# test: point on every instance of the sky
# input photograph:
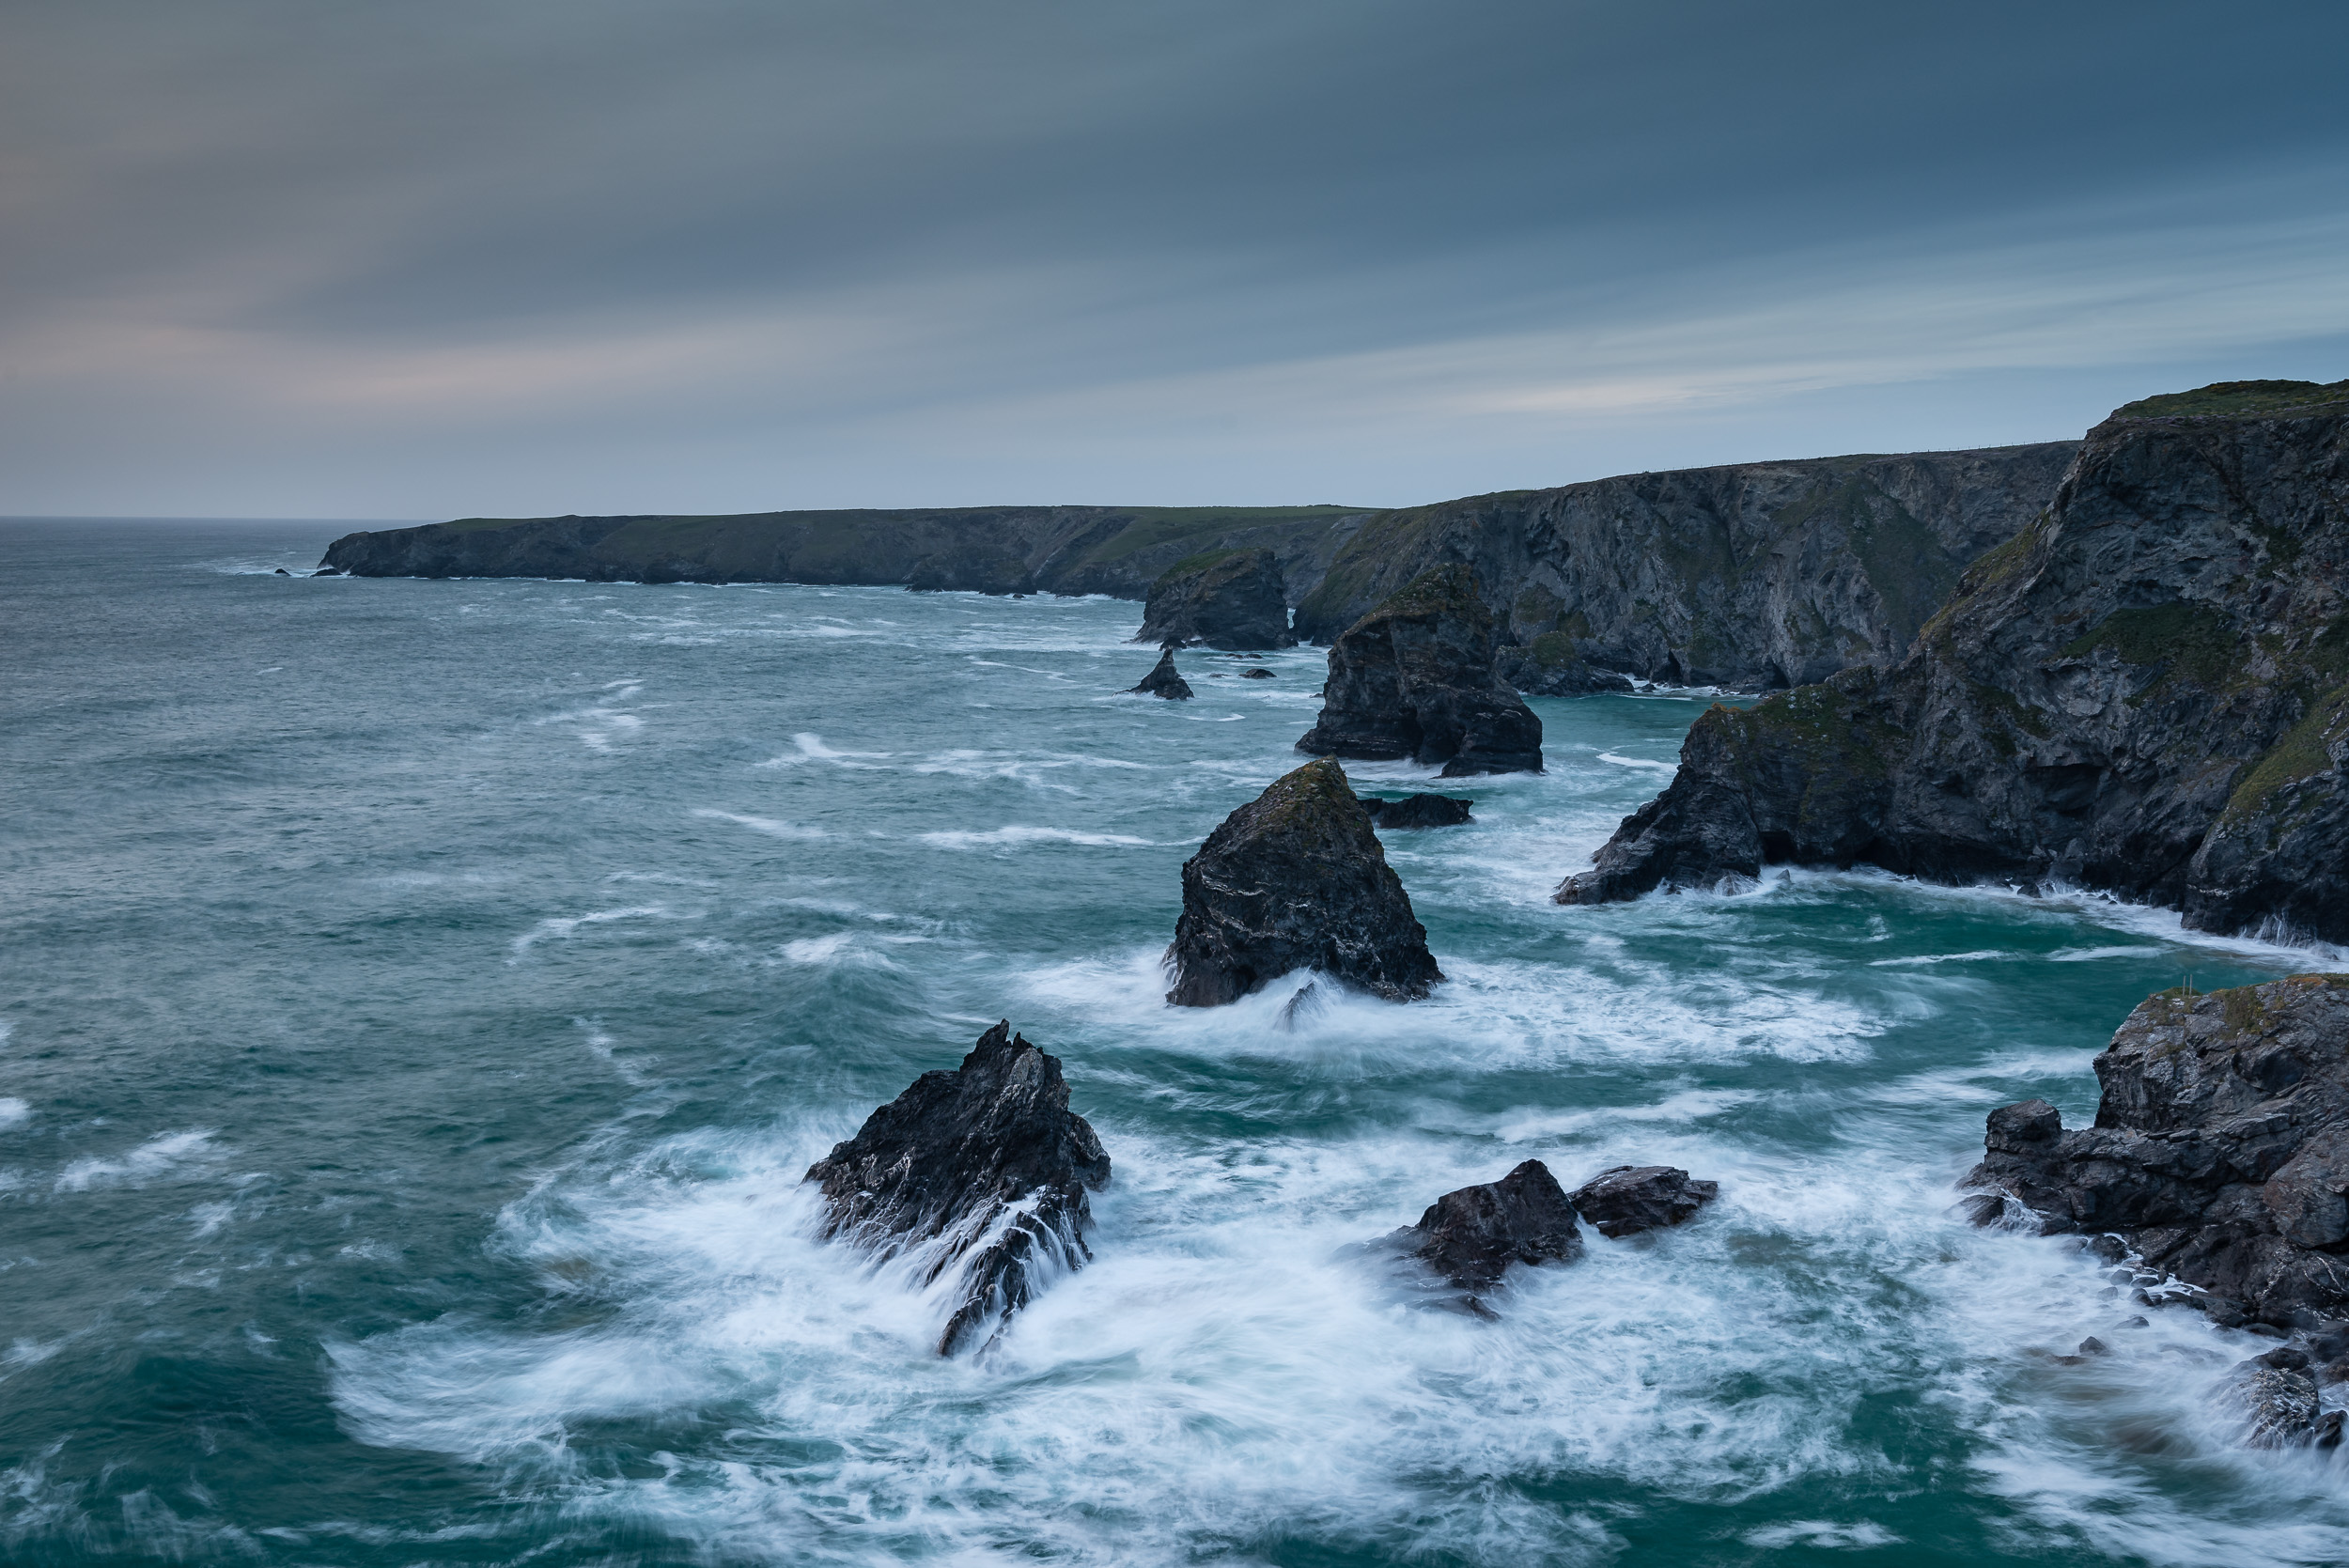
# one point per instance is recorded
(422, 259)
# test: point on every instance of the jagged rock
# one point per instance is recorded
(2277, 1402)
(2220, 1151)
(1471, 1236)
(1296, 879)
(1259, 672)
(2146, 690)
(1629, 1199)
(1417, 810)
(1415, 679)
(1165, 681)
(982, 1170)
(1224, 599)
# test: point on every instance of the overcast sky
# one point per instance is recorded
(384, 259)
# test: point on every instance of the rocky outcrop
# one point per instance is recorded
(2219, 1153)
(2275, 1399)
(1470, 1237)
(1222, 598)
(1415, 679)
(1549, 667)
(982, 1171)
(1628, 1199)
(1165, 681)
(1417, 810)
(2145, 690)
(1119, 551)
(1296, 879)
(1751, 576)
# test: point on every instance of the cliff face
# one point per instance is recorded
(1119, 551)
(1224, 599)
(1755, 575)
(2147, 690)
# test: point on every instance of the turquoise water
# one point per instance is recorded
(422, 998)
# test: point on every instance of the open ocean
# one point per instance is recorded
(422, 998)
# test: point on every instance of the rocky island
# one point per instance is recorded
(2146, 690)
(1232, 600)
(1417, 678)
(1296, 879)
(982, 1171)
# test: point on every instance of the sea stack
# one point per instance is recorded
(1232, 600)
(1416, 678)
(1165, 681)
(1296, 879)
(982, 1171)
(2219, 1154)
(1628, 1199)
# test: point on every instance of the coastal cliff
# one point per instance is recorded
(1117, 551)
(1755, 576)
(2145, 690)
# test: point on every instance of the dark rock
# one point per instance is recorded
(1259, 672)
(283, 572)
(1753, 576)
(1165, 681)
(1471, 1236)
(1224, 599)
(327, 571)
(1296, 879)
(1418, 811)
(1415, 679)
(2278, 1407)
(982, 1170)
(1550, 667)
(2145, 690)
(1629, 1199)
(2094, 1346)
(2220, 1150)
(2334, 1371)
(2289, 1358)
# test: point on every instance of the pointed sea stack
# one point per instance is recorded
(1232, 599)
(1471, 1236)
(1165, 681)
(1296, 879)
(1416, 678)
(983, 1169)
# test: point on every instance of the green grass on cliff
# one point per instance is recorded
(2183, 638)
(2236, 399)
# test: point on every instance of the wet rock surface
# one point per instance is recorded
(1629, 1199)
(1165, 681)
(1416, 678)
(982, 1171)
(1232, 599)
(1470, 1238)
(2146, 690)
(1418, 811)
(1296, 879)
(2277, 1402)
(2219, 1153)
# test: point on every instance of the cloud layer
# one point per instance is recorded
(278, 257)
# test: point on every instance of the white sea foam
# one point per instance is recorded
(1642, 763)
(772, 827)
(165, 1156)
(13, 1112)
(808, 747)
(564, 925)
(998, 838)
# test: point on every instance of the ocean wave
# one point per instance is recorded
(1016, 834)
(772, 827)
(165, 1155)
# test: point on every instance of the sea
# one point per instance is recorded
(420, 1000)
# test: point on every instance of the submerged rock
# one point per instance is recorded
(1471, 1236)
(1296, 879)
(2146, 690)
(2277, 1402)
(1259, 672)
(1416, 678)
(1225, 599)
(982, 1170)
(1629, 1199)
(2220, 1151)
(1418, 811)
(1165, 681)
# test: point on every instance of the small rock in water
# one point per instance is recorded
(2093, 1346)
(1296, 879)
(1259, 672)
(1418, 811)
(2278, 1407)
(283, 572)
(1471, 1236)
(1165, 681)
(983, 1168)
(1629, 1199)
(1303, 1007)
